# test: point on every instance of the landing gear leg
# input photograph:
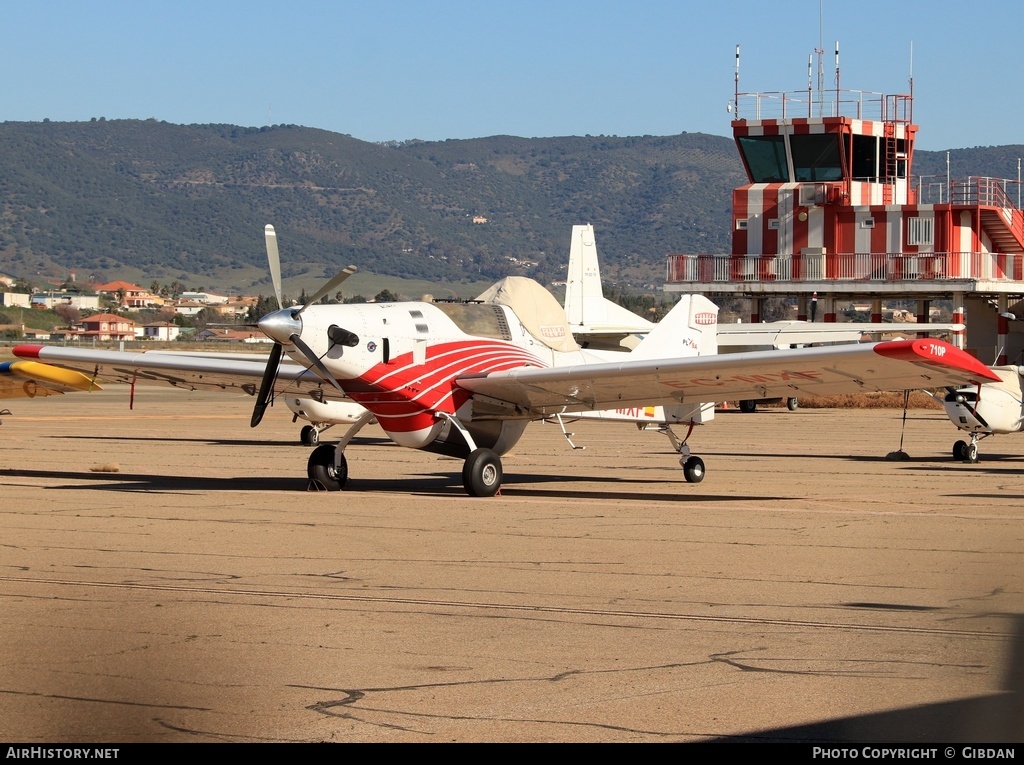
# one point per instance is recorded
(693, 466)
(327, 468)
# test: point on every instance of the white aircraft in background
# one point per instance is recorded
(986, 410)
(597, 322)
(465, 379)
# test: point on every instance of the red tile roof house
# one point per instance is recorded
(134, 296)
(103, 327)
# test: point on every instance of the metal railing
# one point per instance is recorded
(854, 266)
(973, 190)
(858, 104)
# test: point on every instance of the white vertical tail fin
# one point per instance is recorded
(586, 308)
(583, 280)
(689, 329)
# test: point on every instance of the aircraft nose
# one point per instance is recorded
(279, 326)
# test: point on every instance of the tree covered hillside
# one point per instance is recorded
(190, 202)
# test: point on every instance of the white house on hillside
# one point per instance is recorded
(159, 330)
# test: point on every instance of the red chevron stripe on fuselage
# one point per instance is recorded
(404, 395)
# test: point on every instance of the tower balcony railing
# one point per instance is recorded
(857, 104)
(854, 266)
(970, 191)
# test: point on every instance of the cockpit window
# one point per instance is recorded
(481, 319)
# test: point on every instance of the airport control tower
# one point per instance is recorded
(832, 211)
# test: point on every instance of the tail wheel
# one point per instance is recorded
(792, 404)
(321, 468)
(481, 475)
(693, 470)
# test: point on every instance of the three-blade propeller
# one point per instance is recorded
(285, 326)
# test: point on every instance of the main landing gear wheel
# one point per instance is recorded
(322, 470)
(748, 406)
(693, 470)
(309, 436)
(481, 475)
(960, 451)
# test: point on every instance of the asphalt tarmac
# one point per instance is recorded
(166, 577)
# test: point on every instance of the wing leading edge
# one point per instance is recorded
(886, 366)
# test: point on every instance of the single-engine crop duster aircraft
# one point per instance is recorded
(465, 379)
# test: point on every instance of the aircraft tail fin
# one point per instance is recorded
(689, 329)
(586, 307)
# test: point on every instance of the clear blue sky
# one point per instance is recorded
(397, 69)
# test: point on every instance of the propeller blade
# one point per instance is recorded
(327, 288)
(274, 260)
(322, 370)
(267, 385)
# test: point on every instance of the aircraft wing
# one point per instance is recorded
(32, 379)
(214, 372)
(782, 334)
(887, 366)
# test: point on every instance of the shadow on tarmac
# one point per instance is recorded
(990, 720)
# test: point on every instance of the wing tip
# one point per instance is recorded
(938, 353)
(27, 351)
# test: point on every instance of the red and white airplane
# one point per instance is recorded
(465, 379)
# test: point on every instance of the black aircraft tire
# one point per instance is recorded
(309, 436)
(482, 474)
(321, 469)
(748, 406)
(693, 470)
(960, 451)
